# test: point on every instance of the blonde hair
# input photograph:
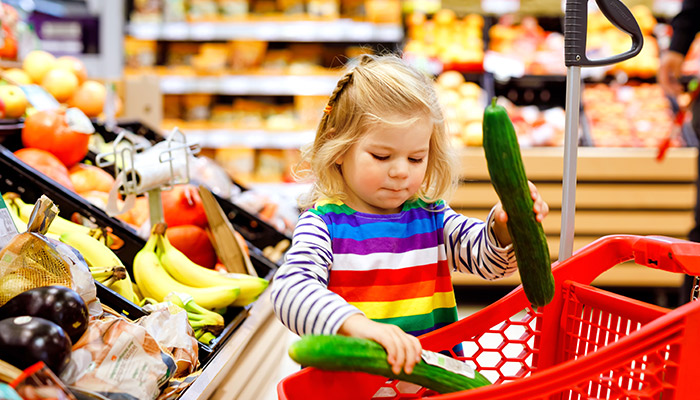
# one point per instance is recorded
(372, 87)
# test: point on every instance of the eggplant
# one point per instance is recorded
(26, 340)
(56, 303)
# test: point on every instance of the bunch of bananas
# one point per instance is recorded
(101, 260)
(160, 269)
(108, 275)
(21, 211)
(207, 325)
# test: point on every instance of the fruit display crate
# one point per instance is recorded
(255, 230)
(18, 177)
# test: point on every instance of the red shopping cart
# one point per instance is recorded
(587, 343)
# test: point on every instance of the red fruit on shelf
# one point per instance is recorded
(194, 242)
(183, 206)
(47, 164)
(48, 130)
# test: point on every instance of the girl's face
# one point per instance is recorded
(386, 166)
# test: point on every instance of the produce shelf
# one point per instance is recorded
(341, 30)
(250, 85)
(18, 177)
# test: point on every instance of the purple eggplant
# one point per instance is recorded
(27, 340)
(58, 304)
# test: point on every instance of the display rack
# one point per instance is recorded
(340, 30)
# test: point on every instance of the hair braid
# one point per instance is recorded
(332, 99)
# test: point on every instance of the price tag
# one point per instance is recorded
(500, 6)
(236, 85)
(208, 84)
(669, 8)
(175, 31)
(203, 31)
(174, 85)
(447, 363)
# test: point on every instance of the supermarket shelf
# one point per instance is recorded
(342, 30)
(256, 139)
(242, 85)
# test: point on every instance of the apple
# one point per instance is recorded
(17, 76)
(61, 83)
(73, 64)
(89, 98)
(14, 99)
(37, 64)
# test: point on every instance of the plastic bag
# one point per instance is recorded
(30, 260)
(38, 382)
(169, 326)
(118, 359)
(83, 283)
(203, 170)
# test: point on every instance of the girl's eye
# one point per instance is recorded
(380, 158)
(416, 160)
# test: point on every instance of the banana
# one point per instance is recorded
(184, 270)
(196, 314)
(206, 337)
(98, 255)
(104, 274)
(156, 283)
(59, 225)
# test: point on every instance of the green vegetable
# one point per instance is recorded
(508, 178)
(343, 353)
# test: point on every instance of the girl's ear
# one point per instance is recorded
(340, 159)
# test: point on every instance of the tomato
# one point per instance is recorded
(48, 130)
(47, 164)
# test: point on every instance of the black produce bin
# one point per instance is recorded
(18, 177)
(256, 231)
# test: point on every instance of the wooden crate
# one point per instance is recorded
(618, 191)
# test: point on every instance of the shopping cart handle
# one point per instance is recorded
(576, 24)
(668, 254)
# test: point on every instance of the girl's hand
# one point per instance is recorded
(403, 350)
(539, 207)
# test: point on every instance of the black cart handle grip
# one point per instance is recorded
(576, 23)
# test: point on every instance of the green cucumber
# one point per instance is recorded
(343, 353)
(508, 178)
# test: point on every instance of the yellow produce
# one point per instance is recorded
(184, 270)
(155, 282)
(96, 254)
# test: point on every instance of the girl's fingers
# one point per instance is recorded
(413, 350)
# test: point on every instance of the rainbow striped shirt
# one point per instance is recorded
(392, 268)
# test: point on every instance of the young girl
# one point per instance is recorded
(372, 255)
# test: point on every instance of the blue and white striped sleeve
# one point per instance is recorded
(472, 247)
(299, 293)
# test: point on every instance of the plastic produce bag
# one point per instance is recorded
(203, 170)
(169, 326)
(30, 260)
(38, 382)
(119, 360)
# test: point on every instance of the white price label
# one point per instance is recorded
(500, 6)
(447, 363)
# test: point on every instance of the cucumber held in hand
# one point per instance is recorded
(343, 353)
(508, 178)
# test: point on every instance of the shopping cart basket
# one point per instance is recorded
(587, 343)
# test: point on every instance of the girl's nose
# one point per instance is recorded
(398, 169)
